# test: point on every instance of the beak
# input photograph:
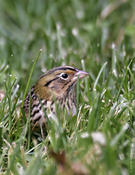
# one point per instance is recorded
(81, 74)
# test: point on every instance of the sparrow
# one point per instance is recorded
(57, 86)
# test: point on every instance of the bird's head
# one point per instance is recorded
(58, 81)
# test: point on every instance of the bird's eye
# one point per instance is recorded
(64, 76)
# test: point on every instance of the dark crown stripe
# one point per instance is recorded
(65, 68)
(59, 68)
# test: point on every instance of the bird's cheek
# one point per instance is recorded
(56, 90)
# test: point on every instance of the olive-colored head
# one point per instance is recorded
(57, 82)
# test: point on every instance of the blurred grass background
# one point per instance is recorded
(94, 35)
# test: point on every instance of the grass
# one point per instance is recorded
(96, 36)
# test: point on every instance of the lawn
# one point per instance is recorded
(97, 36)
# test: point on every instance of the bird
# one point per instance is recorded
(57, 86)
